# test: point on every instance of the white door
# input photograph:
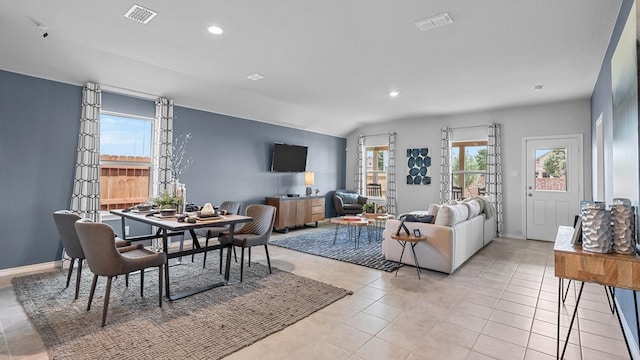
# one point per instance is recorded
(553, 184)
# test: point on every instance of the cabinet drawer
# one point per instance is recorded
(317, 202)
(317, 209)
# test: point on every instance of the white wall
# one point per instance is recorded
(569, 117)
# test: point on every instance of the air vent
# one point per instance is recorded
(140, 14)
(434, 22)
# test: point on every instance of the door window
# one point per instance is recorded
(551, 169)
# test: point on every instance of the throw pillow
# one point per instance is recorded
(433, 209)
(445, 216)
(473, 206)
(427, 219)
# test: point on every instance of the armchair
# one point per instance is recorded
(348, 202)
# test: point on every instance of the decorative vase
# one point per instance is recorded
(596, 228)
(179, 190)
(623, 226)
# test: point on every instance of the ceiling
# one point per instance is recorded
(328, 65)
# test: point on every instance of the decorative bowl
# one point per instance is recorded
(167, 212)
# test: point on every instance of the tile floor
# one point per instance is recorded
(500, 305)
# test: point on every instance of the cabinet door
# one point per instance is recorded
(303, 211)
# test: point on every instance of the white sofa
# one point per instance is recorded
(450, 242)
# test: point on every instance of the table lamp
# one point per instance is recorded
(308, 181)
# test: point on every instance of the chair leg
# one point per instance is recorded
(73, 260)
(93, 290)
(107, 293)
(126, 279)
(221, 260)
(206, 243)
(234, 253)
(241, 263)
(141, 282)
(266, 250)
(249, 263)
(160, 284)
(78, 278)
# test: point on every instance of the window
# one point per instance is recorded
(377, 158)
(551, 169)
(468, 169)
(125, 160)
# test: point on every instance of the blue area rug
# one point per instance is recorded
(320, 243)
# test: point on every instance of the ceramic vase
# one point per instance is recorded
(623, 226)
(596, 229)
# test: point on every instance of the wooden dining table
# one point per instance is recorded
(170, 226)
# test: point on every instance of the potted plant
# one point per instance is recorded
(167, 203)
(369, 208)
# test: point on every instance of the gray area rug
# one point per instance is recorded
(209, 325)
(320, 243)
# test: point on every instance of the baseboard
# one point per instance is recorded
(29, 268)
(633, 345)
(512, 236)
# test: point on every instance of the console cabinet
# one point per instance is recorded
(296, 211)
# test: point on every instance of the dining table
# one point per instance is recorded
(168, 226)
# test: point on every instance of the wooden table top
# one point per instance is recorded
(617, 270)
(349, 221)
(409, 238)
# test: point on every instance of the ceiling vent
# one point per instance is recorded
(140, 14)
(434, 22)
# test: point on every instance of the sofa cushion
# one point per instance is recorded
(348, 198)
(433, 209)
(449, 215)
(473, 206)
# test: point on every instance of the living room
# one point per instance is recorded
(232, 155)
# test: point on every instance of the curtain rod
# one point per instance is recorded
(127, 92)
(387, 134)
(470, 126)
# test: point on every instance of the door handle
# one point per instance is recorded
(530, 194)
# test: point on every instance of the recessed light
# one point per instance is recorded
(215, 30)
(394, 93)
(538, 87)
(255, 77)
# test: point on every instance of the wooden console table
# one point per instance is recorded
(296, 211)
(614, 270)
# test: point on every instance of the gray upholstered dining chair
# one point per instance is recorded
(257, 232)
(232, 208)
(105, 260)
(65, 221)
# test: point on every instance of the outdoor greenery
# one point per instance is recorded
(555, 165)
(477, 162)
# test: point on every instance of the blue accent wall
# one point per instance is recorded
(601, 103)
(38, 137)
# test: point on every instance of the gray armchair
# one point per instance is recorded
(257, 232)
(232, 208)
(348, 202)
(65, 221)
(105, 260)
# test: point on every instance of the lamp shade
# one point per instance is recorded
(309, 178)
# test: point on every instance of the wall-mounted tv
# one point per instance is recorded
(289, 158)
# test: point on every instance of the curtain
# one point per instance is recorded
(445, 166)
(85, 199)
(359, 178)
(391, 175)
(494, 173)
(162, 146)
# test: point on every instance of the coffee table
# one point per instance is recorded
(413, 240)
(354, 226)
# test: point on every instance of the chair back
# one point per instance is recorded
(99, 248)
(374, 190)
(232, 207)
(65, 221)
(264, 216)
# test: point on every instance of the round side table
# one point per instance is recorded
(413, 240)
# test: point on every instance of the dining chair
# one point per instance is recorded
(257, 232)
(105, 260)
(232, 208)
(65, 221)
(374, 190)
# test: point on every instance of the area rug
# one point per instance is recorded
(209, 325)
(320, 243)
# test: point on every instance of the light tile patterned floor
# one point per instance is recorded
(500, 305)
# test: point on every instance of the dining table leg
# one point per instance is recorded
(165, 248)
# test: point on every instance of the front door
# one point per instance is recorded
(553, 184)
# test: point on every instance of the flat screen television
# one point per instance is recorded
(289, 158)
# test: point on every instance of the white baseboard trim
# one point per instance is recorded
(633, 345)
(30, 268)
(511, 236)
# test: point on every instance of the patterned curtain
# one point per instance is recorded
(445, 166)
(359, 178)
(85, 199)
(494, 173)
(162, 145)
(391, 175)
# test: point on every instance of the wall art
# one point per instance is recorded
(418, 162)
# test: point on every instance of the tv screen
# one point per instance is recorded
(289, 158)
